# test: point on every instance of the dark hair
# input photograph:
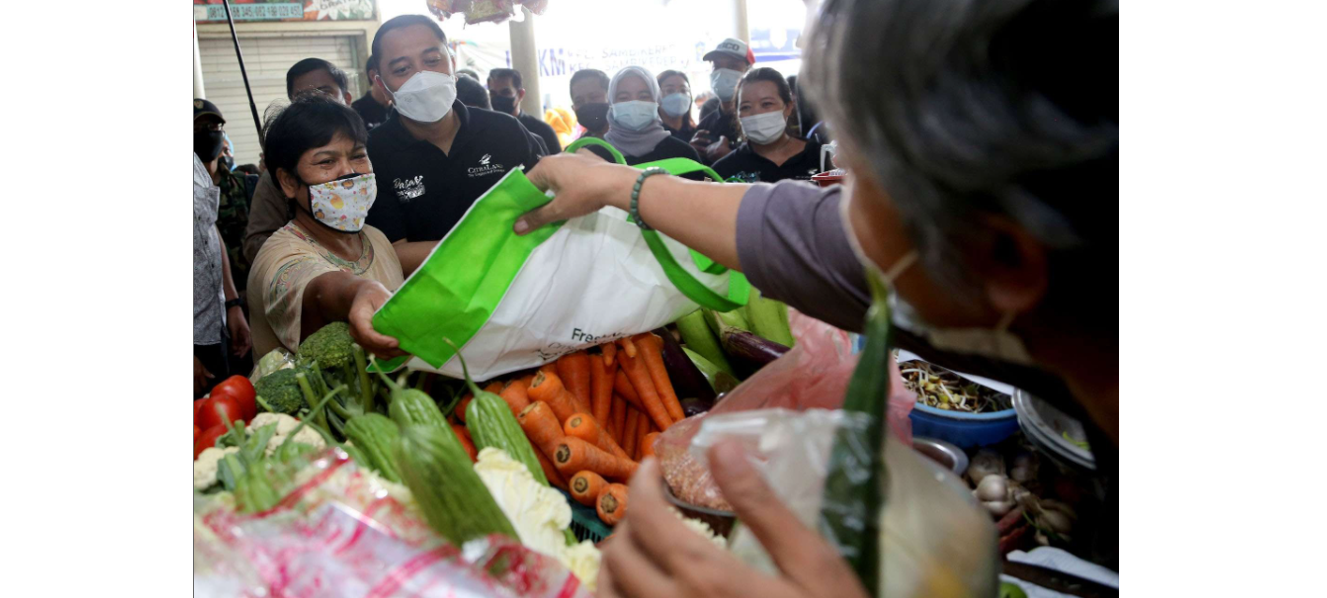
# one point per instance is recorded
(308, 65)
(472, 93)
(512, 74)
(311, 120)
(961, 111)
(686, 118)
(371, 64)
(405, 21)
(765, 73)
(599, 75)
(248, 169)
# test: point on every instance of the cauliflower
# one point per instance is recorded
(285, 424)
(205, 468)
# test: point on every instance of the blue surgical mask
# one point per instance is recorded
(676, 104)
(724, 83)
(634, 115)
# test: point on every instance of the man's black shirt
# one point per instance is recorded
(422, 192)
(747, 166)
(543, 130)
(370, 110)
(685, 133)
(718, 123)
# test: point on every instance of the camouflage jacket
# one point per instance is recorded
(232, 218)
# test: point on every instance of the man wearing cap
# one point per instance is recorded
(717, 133)
(219, 322)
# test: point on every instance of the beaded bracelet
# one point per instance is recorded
(635, 195)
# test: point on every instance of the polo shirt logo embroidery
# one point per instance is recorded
(485, 168)
(408, 189)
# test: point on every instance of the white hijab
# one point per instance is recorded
(636, 143)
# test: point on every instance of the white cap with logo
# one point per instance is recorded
(732, 47)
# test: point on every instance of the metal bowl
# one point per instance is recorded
(944, 453)
(1046, 427)
(719, 521)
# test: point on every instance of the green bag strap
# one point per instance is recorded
(584, 141)
(738, 287)
(739, 290)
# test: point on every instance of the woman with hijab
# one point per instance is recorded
(634, 127)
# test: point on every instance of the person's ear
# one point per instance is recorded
(520, 95)
(348, 98)
(1013, 266)
(788, 110)
(289, 184)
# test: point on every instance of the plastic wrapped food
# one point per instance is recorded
(343, 531)
(813, 375)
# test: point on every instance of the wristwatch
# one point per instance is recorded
(232, 303)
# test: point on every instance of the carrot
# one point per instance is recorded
(585, 487)
(459, 411)
(574, 454)
(464, 436)
(601, 389)
(541, 427)
(628, 346)
(494, 387)
(547, 387)
(647, 445)
(640, 378)
(642, 430)
(629, 431)
(618, 415)
(549, 368)
(515, 394)
(623, 387)
(550, 472)
(585, 427)
(651, 350)
(610, 349)
(574, 370)
(612, 504)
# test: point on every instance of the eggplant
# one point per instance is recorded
(748, 352)
(693, 406)
(688, 380)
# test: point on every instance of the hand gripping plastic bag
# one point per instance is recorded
(514, 302)
(813, 375)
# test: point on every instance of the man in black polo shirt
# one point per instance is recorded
(433, 157)
(717, 133)
(504, 87)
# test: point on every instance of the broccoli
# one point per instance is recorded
(339, 360)
(280, 392)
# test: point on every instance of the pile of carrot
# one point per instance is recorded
(593, 415)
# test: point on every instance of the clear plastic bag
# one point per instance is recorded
(813, 375)
(342, 531)
(276, 359)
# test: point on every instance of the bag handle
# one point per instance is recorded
(739, 289)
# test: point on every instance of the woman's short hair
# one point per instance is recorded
(310, 121)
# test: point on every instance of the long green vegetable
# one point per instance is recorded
(855, 481)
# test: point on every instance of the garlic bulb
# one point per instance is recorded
(993, 488)
(999, 508)
(984, 463)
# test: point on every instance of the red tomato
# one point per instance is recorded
(197, 431)
(239, 388)
(217, 411)
(197, 405)
(208, 439)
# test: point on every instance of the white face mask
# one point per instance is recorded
(425, 97)
(676, 104)
(724, 83)
(343, 204)
(634, 115)
(994, 343)
(764, 128)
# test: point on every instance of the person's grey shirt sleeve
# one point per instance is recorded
(793, 247)
(267, 213)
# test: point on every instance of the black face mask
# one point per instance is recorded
(504, 104)
(207, 144)
(593, 116)
(228, 163)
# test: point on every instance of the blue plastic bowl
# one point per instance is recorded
(963, 429)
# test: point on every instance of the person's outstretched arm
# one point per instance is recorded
(702, 216)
